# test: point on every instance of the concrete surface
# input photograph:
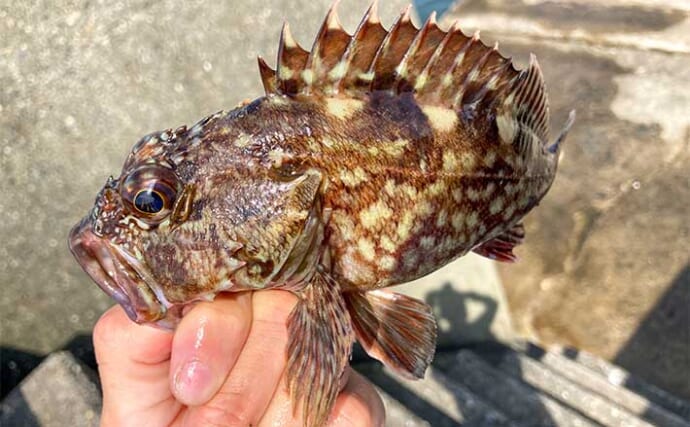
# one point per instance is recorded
(60, 392)
(80, 82)
(489, 384)
(606, 259)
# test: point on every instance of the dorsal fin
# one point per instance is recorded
(268, 76)
(292, 59)
(321, 70)
(392, 51)
(361, 52)
(442, 68)
(523, 117)
(418, 55)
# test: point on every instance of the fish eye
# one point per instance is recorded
(149, 201)
(150, 192)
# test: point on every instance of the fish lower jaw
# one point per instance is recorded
(120, 276)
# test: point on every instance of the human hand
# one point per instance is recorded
(223, 366)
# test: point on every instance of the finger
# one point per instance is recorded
(133, 363)
(206, 345)
(280, 410)
(246, 393)
(358, 405)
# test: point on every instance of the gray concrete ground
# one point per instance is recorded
(60, 392)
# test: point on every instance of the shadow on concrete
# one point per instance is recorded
(664, 363)
(452, 308)
(16, 364)
(452, 315)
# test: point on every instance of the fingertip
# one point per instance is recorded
(206, 346)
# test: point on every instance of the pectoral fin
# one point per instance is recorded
(500, 248)
(320, 344)
(397, 330)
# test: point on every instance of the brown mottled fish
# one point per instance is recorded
(372, 160)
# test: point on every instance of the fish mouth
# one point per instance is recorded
(120, 275)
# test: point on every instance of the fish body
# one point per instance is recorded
(372, 160)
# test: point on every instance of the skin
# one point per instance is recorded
(146, 377)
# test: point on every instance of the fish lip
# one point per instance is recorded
(114, 273)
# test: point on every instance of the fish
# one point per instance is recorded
(371, 160)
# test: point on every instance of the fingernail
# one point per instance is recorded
(193, 383)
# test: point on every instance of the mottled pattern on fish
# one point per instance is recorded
(373, 159)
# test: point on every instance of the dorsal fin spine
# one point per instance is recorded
(369, 20)
(441, 46)
(312, 68)
(490, 84)
(291, 60)
(443, 68)
(460, 57)
(506, 89)
(401, 69)
(268, 76)
(377, 63)
(471, 75)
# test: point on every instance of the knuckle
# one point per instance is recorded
(105, 332)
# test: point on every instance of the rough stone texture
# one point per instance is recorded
(592, 380)
(609, 243)
(488, 384)
(60, 392)
(620, 377)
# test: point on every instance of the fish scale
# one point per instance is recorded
(372, 160)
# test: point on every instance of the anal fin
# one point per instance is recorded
(319, 348)
(500, 248)
(395, 329)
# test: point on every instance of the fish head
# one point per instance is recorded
(182, 223)
(130, 214)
